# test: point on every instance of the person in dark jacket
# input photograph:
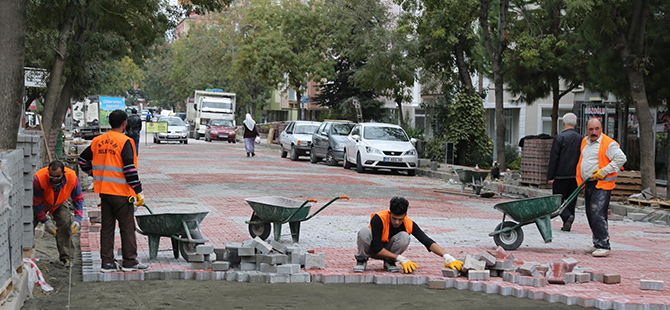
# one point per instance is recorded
(134, 128)
(563, 159)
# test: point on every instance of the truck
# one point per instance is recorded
(90, 115)
(207, 105)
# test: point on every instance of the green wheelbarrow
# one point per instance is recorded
(540, 211)
(471, 178)
(277, 211)
(182, 228)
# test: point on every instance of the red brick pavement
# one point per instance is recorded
(650, 262)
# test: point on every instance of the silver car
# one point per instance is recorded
(176, 130)
(328, 142)
(297, 138)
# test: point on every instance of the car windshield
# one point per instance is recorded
(173, 121)
(342, 129)
(216, 105)
(305, 129)
(385, 134)
(222, 122)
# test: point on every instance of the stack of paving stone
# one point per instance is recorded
(258, 261)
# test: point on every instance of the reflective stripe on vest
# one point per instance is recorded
(69, 181)
(385, 216)
(107, 164)
(609, 182)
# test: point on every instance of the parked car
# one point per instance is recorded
(181, 115)
(380, 146)
(177, 130)
(297, 138)
(220, 129)
(328, 142)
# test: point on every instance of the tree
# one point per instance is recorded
(13, 23)
(496, 46)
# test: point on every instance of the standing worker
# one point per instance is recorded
(250, 134)
(562, 165)
(112, 161)
(134, 128)
(387, 237)
(600, 160)
(52, 185)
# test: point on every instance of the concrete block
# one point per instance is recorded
(519, 292)
(571, 263)
(92, 277)
(246, 251)
(542, 268)
(490, 288)
(568, 300)
(242, 276)
(154, 275)
(200, 265)
(596, 276)
(292, 249)
(220, 266)
(513, 277)
(489, 259)
(267, 268)
(272, 259)
(302, 277)
(262, 246)
(476, 286)
(586, 302)
(174, 275)
(248, 242)
(231, 254)
(570, 277)
(449, 273)
(288, 268)
(209, 257)
(203, 275)
(280, 278)
(277, 246)
(471, 263)
(248, 259)
(437, 284)
(384, 280)
(535, 295)
(528, 269)
(610, 278)
(603, 304)
(259, 277)
(247, 267)
(479, 275)
(231, 275)
(315, 261)
(461, 284)
(294, 258)
(582, 277)
(411, 280)
(505, 290)
(220, 253)
(556, 272)
(189, 274)
(218, 275)
(113, 276)
(500, 253)
(204, 249)
(654, 285)
(198, 258)
(503, 264)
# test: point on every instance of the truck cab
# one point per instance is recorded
(207, 105)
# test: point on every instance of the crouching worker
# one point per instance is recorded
(387, 238)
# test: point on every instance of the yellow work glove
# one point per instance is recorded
(407, 264)
(75, 227)
(50, 227)
(139, 200)
(597, 174)
(452, 262)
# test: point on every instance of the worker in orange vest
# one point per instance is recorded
(112, 161)
(600, 159)
(52, 186)
(387, 237)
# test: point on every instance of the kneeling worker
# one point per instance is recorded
(387, 238)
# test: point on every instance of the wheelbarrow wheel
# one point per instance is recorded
(261, 230)
(189, 247)
(510, 240)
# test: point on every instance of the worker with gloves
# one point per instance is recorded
(52, 186)
(600, 159)
(387, 237)
(112, 161)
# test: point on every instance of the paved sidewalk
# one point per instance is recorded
(217, 176)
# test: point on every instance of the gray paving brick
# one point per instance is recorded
(470, 263)
(461, 284)
(582, 277)
(586, 302)
(601, 304)
(231, 275)
(449, 283)
(189, 274)
(218, 275)
(315, 261)
(272, 259)
(526, 281)
(288, 268)
(174, 275)
(220, 266)
(568, 300)
(247, 266)
(535, 295)
(503, 264)
(596, 276)
(154, 275)
(92, 277)
(654, 285)
(204, 249)
(112, 276)
(277, 246)
(280, 278)
(505, 290)
(476, 286)
(302, 277)
(479, 275)
(246, 251)
(248, 259)
(199, 265)
(268, 268)
(570, 277)
(198, 258)
(262, 246)
(292, 249)
(437, 284)
(294, 258)
(203, 275)
(449, 273)
(571, 263)
(489, 259)
(220, 254)
(385, 280)
(519, 292)
(242, 276)
(259, 277)
(610, 278)
(528, 269)
(491, 288)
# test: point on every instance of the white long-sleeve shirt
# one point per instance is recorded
(590, 158)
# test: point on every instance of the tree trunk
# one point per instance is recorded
(646, 127)
(500, 117)
(12, 49)
(63, 103)
(459, 52)
(554, 108)
(401, 117)
(56, 74)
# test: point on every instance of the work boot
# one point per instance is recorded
(589, 250)
(138, 266)
(390, 266)
(360, 265)
(600, 253)
(568, 224)
(110, 267)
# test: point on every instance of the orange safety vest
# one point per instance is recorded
(609, 182)
(386, 221)
(108, 177)
(50, 201)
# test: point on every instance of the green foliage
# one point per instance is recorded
(435, 148)
(415, 133)
(512, 157)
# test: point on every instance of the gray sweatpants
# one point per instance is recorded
(396, 244)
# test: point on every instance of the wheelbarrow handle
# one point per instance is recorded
(570, 198)
(324, 206)
(145, 205)
(300, 208)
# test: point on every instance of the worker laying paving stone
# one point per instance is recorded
(387, 237)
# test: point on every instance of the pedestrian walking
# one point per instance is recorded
(112, 161)
(134, 129)
(387, 237)
(52, 186)
(563, 160)
(250, 134)
(600, 160)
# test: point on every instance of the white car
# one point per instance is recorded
(177, 130)
(297, 138)
(380, 146)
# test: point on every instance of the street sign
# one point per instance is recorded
(157, 127)
(304, 99)
(35, 77)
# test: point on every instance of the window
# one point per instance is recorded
(508, 118)
(419, 119)
(546, 119)
(291, 94)
(356, 131)
(342, 129)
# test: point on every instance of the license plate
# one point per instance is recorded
(223, 136)
(393, 159)
(173, 136)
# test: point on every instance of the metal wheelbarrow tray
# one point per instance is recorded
(472, 178)
(182, 228)
(540, 211)
(280, 210)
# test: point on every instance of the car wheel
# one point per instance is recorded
(294, 153)
(186, 141)
(346, 164)
(197, 135)
(155, 140)
(330, 158)
(283, 152)
(411, 172)
(359, 165)
(312, 157)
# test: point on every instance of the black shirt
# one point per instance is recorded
(377, 227)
